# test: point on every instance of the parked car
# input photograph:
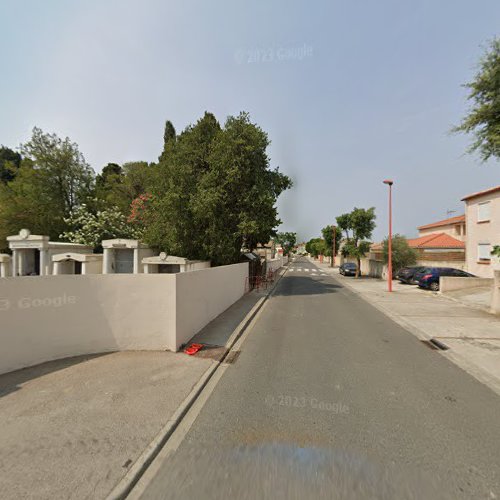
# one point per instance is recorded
(430, 280)
(407, 274)
(418, 274)
(348, 269)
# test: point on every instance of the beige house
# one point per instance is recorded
(454, 227)
(482, 213)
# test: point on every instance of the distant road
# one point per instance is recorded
(330, 398)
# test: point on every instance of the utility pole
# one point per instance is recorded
(389, 266)
(332, 262)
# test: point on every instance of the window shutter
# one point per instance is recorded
(483, 211)
(483, 251)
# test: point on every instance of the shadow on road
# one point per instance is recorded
(304, 285)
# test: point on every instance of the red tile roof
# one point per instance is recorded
(438, 240)
(452, 220)
(435, 240)
(481, 193)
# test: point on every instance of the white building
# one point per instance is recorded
(482, 212)
(169, 264)
(77, 263)
(5, 265)
(124, 256)
(32, 254)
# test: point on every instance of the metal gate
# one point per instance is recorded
(124, 261)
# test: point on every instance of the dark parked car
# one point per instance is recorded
(425, 270)
(407, 274)
(430, 280)
(348, 269)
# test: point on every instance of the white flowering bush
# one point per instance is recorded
(90, 228)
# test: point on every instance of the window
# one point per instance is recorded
(484, 251)
(483, 211)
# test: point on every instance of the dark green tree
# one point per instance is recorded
(358, 227)
(169, 137)
(171, 223)
(215, 193)
(10, 161)
(483, 119)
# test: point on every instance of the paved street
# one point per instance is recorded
(330, 398)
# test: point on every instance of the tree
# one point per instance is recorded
(68, 177)
(287, 241)
(327, 233)
(402, 254)
(169, 136)
(315, 247)
(109, 188)
(215, 193)
(90, 228)
(358, 226)
(119, 185)
(483, 119)
(10, 161)
(170, 219)
(52, 181)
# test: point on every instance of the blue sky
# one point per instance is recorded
(350, 92)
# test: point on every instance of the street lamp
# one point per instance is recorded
(334, 230)
(389, 264)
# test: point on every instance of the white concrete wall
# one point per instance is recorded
(449, 283)
(373, 268)
(204, 294)
(195, 266)
(276, 263)
(53, 317)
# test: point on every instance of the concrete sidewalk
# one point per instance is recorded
(75, 427)
(478, 298)
(473, 335)
(72, 428)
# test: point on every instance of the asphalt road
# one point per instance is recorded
(331, 399)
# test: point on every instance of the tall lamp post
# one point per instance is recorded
(334, 229)
(389, 264)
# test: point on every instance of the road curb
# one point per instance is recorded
(136, 471)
